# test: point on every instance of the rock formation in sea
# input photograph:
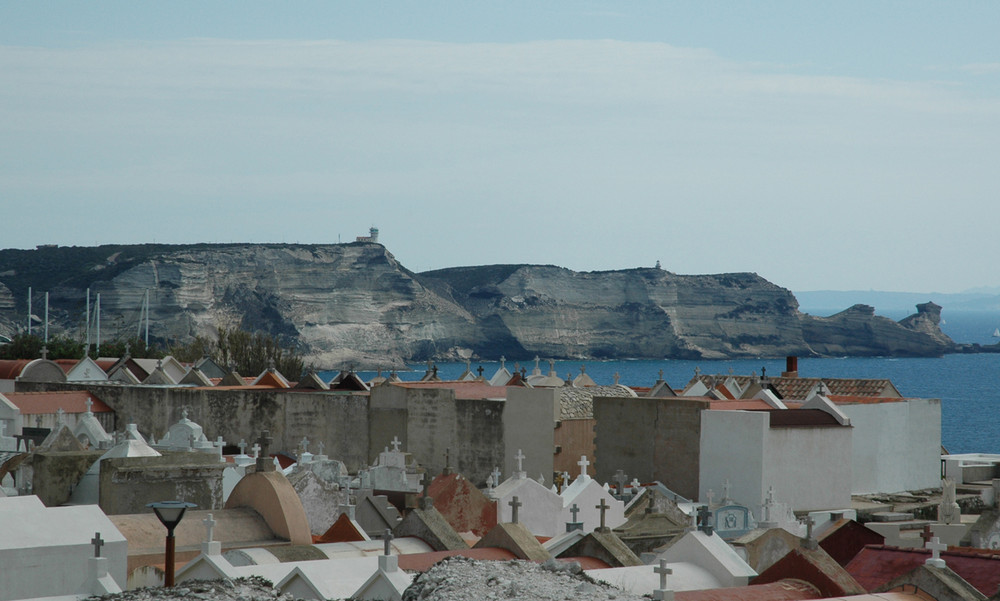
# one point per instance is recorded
(355, 303)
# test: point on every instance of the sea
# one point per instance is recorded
(967, 384)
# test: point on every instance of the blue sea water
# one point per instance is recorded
(967, 384)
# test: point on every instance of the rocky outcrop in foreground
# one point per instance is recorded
(355, 303)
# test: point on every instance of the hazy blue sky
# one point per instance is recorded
(833, 145)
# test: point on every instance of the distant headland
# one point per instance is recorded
(356, 304)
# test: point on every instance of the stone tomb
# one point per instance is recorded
(47, 552)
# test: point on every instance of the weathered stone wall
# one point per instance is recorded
(54, 474)
(650, 439)
(128, 484)
(337, 419)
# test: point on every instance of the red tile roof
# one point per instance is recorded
(463, 505)
(44, 403)
(799, 388)
(878, 565)
(66, 364)
(789, 589)
(12, 368)
(342, 531)
(463, 390)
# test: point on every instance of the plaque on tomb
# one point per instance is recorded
(733, 521)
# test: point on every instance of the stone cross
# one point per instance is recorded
(305, 444)
(810, 522)
(663, 571)
(936, 546)
(725, 490)
(574, 510)
(621, 479)
(256, 450)
(209, 523)
(61, 415)
(927, 534)
(502, 361)
(583, 463)
(603, 507)
(520, 460)
(661, 374)
(618, 377)
(386, 540)
(710, 495)
(496, 475)
(636, 485)
(705, 519)
(320, 445)
(395, 444)
(697, 371)
(514, 504)
(98, 543)
(480, 370)
(45, 352)
(264, 463)
(89, 403)
(243, 447)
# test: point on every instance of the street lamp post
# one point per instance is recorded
(170, 514)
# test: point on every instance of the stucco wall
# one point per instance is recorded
(650, 439)
(732, 448)
(809, 467)
(339, 420)
(529, 425)
(128, 484)
(897, 446)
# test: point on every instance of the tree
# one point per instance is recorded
(250, 353)
(25, 346)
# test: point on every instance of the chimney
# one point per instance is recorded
(791, 367)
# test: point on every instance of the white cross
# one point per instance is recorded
(583, 463)
(496, 475)
(395, 444)
(220, 443)
(725, 489)
(305, 444)
(663, 571)
(936, 546)
(209, 527)
(710, 495)
(320, 445)
(256, 450)
(520, 460)
(243, 447)
(61, 417)
(89, 404)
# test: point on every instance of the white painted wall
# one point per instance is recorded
(732, 448)
(897, 445)
(810, 467)
(45, 551)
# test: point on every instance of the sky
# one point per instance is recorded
(823, 145)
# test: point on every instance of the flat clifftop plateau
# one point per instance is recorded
(355, 303)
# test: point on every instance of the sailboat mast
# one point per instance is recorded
(147, 318)
(87, 347)
(29, 310)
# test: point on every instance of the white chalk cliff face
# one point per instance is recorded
(344, 303)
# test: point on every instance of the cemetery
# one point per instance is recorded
(157, 475)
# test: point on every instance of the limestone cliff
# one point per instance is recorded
(345, 303)
(857, 331)
(557, 312)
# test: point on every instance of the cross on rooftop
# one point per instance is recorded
(618, 377)
(574, 510)
(936, 546)
(45, 352)
(663, 571)
(386, 540)
(243, 447)
(89, 403)
(256, 450)
(395, 444)
(725, 489)
(514, 504)
(710, 495)
(209, 523)
(704, 519)
(480, 370)
(603, 507)
(496, 475)
(621, 479)
(661, 374)
(61, 415)
(520, 460)
(927, 534)
(98, 542)
(583, 463)
(320, 445)
(305, 444)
